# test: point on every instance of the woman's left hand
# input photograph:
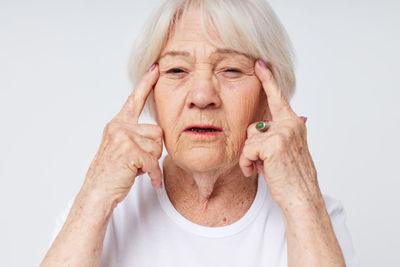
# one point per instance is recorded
(281, 153)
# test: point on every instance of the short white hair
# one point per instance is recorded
(247, 26)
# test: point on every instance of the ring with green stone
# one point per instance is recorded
(262, 126)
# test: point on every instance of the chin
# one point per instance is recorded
(201, 159)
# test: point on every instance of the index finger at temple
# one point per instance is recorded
(277, 102)
(134, 104)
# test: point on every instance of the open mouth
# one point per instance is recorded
(203, 129)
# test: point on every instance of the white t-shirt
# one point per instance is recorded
(146, 230)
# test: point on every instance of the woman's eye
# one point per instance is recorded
(233, 70)
(175, 70)
(232, 73)
(175, 73)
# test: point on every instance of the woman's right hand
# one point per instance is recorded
(127, 148)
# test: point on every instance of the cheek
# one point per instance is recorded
(161, 102)
(168, 103)
(167, 89)
(241, 108)
(242, 101)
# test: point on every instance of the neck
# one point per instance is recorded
(211, 192)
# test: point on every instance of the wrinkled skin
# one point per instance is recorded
(201, 83)
(206, 87)
(224, 89)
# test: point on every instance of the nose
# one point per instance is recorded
(203, 92)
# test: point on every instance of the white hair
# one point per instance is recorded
(247, 26)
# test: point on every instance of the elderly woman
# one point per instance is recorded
(238, 186)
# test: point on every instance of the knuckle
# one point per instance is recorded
(137, 157)
(287, 109)
(298, 123)
(154, 151)
(156, 130)
(133, 98)
(278, 142)
(116, 134)
(289, 132)
(159, 142)
(301, 126)
(134, 163)
(111, 127)
(106, 129)
(251, 130)
(158, 153)
(127, 144)
(124, 149)
(247, 151)
(247, 142)
(119, 135)
(159, 131)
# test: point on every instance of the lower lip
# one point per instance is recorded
(214, 133)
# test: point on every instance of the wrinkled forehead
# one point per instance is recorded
(192, 26)
(212, 57)
(189, 30)
(190, 37)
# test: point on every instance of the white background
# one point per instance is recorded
(63, 77)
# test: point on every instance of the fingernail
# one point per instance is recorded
(152, 67)
(160, 185)
(262, 63)
(305, 119)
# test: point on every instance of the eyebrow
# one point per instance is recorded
(174, 53)
(222, 51)
(231, 51)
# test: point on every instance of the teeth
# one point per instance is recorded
(202, 130)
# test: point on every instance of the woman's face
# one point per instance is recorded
(205, 98)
